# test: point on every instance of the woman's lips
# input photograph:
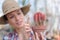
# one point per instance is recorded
(19, 23)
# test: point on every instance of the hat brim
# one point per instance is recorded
(24, 9)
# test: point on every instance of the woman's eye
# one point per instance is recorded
(11, 17)
(19, 13)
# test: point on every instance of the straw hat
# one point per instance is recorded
(11, 5)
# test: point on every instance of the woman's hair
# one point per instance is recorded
(5, 17)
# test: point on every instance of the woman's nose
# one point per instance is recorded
(17, 18)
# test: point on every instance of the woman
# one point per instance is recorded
(14, 15)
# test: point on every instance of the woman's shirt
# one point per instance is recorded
(14, 36)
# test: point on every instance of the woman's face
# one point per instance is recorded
(16, 18)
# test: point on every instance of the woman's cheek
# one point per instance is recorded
(12, 22)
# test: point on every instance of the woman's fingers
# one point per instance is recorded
(37, 38)
(27, 28)
(28, 20)
(27, 25)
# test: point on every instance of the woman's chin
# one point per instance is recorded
(20, 26)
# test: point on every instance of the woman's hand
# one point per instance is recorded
(27, 27)
(27, 30)
(29, 33)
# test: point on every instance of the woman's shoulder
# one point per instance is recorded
(7, 36)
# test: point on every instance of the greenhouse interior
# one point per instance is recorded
(48, 10)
